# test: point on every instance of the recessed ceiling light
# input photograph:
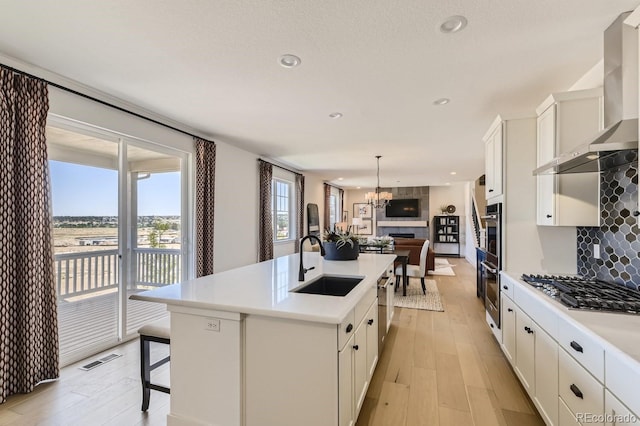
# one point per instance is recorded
(448, 183)
(340, 178)
(289, 61)
(452, 173)
(357, 187)
(441, 101)
(335, 115)
(453, 24)
(593, 156)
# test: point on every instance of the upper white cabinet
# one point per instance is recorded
(565, 121)
(493, 144)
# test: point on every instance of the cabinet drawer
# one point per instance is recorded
(346, 329)
(506, 286)
(582, 347)
(582, 393)
(539, 311)
(565, 416)
(622, 379)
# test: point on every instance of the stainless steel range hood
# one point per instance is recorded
(620, 109)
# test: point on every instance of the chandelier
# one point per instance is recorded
(378, 199)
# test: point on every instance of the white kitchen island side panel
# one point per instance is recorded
(291, 372)
(206, 368)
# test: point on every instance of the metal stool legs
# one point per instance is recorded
(146, 368)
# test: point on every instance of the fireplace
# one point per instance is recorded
(402, 235)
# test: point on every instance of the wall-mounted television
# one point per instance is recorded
(403, 208)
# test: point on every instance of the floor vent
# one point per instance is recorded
(98, 362)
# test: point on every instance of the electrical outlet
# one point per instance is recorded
(596, 251)
(212, 324)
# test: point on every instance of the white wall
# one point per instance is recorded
(236, 215)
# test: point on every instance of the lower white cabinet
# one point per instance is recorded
(534, 356)
(356, 363)
(525, 351)
(570, 376)
(508, 328)
(546, 375)
(372, 319)
(346, 399)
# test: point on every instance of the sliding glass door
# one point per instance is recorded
(118, 208)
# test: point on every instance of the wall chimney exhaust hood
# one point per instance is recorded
(620, 108)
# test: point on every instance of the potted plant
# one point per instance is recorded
(340, 245)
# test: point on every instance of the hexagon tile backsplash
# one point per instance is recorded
(618, 235)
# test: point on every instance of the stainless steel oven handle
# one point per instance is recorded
(491, 216)
(489, 267)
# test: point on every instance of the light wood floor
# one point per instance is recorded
(446, 368)
(437, 368)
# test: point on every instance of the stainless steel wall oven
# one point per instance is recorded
(491, 266)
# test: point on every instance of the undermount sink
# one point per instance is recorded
(328, 285)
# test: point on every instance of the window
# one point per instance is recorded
(282, 210)
(335, 215)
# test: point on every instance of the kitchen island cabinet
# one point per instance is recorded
(246, 349)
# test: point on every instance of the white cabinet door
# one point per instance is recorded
(546, 184)
(566, 120)
(546, 375)
(493, 163)
(525, 350)
(616, 414)
(546, 124)
(345, 380)
(371, 321)
(360, 370)
(508, 328)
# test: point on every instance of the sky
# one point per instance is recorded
(79, 190)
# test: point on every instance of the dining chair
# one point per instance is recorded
(417, 271)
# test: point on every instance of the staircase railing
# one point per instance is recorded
(478, 229)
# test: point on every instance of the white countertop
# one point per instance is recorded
(617, 332)
(265, 288)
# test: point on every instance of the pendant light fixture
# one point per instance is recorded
(378, 199)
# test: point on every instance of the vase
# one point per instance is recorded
(346, 252)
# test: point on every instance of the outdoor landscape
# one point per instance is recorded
(73, 234)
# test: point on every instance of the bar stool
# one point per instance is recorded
(157, 331)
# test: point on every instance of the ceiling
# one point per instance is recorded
(213, 66)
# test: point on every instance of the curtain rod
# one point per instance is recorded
(75, 92)
(280, 167)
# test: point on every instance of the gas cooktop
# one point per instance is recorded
(587, 293)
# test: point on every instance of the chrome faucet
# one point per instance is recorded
(303, 270)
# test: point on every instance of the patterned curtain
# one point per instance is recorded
(339, 216)
(299, 210)
(265, 231)
(205, 206)
(327, 202)
(28, 311)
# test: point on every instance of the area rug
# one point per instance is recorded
(442, 267)
(416, 300)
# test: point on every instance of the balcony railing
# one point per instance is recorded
(94, 271)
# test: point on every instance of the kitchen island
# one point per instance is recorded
(247, 349)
